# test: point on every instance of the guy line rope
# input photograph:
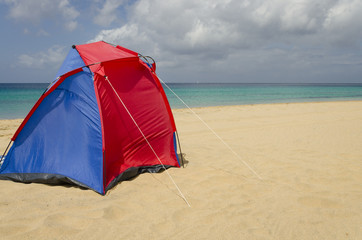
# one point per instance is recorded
(207, 125)
(139, 129)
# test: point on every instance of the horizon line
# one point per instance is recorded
(215, 82)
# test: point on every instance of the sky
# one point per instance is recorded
(256, 41)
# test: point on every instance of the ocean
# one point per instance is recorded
(16, 100)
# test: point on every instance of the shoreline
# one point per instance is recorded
(276, 103)
(308, 155)
(237, 105)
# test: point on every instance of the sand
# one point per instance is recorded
(309, 156)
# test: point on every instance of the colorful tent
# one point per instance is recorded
(104, 119)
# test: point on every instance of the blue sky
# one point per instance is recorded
(295, 41)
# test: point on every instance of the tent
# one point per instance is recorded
(104, 119)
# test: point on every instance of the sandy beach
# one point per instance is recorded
(308, 155)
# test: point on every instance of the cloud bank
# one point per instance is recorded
(198, 41)
(52, 57)
(275, 39)
(36, 11)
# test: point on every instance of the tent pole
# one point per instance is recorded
(2, 157)
(179, 145)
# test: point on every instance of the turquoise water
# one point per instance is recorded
(203, 95)
(16, 100)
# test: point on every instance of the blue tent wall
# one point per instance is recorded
(71, 62)
(62, 141)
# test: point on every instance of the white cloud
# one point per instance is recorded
(129, 31)
(108, 13)
(189, 25)
(342, 22)
(53, 57)
(233, 35)
(36, 11)
(42, 33)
